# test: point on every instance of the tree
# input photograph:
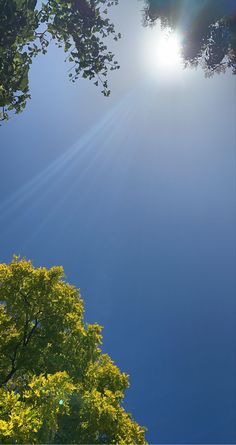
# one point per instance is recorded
(80, 26)
(56, 386)
(208, 29)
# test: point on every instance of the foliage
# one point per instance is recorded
(208, 28)
(80, 26)
(18, 21)
(56, 386)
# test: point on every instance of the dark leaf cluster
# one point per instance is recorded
(81, 27)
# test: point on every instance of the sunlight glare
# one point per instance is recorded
(168, 50)
(162, 53)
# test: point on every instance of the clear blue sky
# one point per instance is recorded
(135, 196)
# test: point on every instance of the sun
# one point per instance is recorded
(168, 50)
(162, 52)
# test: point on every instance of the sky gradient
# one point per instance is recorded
(135, 195)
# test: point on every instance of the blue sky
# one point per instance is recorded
(135, 196)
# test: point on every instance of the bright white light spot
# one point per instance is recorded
(168, 50)
(162, 53)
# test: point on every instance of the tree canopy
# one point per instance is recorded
(56, 385)
(27, 28)
(208, 29)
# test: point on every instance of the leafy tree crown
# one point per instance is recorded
(56, 385)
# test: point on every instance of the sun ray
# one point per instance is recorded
(55, 172)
